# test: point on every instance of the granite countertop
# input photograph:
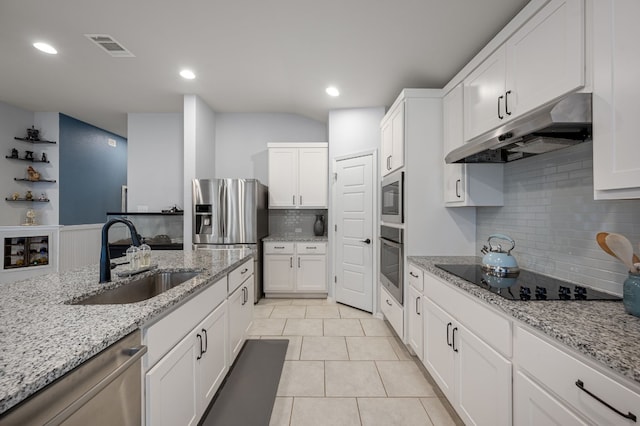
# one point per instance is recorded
(600, 330)
(295, 238)
(42, 336)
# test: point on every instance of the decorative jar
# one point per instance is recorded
(318, 226)
(631, 294)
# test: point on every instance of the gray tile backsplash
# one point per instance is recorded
(550, 212)
(294, 222)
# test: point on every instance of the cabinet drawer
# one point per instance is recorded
(240, 274)
(163, 335)
(392, 311)
(494, 329)
(559, 372)
(273, 247)
(416, 278)
(311, 248)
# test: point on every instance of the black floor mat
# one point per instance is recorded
(247, 394)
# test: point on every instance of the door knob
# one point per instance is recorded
(367, 241)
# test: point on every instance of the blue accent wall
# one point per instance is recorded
(91, 172)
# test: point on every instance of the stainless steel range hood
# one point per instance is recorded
(561, 124)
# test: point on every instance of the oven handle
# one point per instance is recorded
(390, 243)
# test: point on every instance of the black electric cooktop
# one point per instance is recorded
(526, 285)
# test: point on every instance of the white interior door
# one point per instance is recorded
(354, 214)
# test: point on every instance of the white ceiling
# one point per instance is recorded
(249, 55)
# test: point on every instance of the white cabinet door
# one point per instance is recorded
(313, 176)
(616, 169)
(483, 380)
(438, 348)
(533, 406)
(311, 275)
(279, 273)
(237, 300)
(392, 148)
(283, 177)
(484, 91)
(453, 132)
(415, 332)
(213, 365)
(386, 148)
(171, 390)
(545, 58)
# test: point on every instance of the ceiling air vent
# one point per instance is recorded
(110, 45)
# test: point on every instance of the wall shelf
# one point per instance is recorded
(25, 159)
(34, 141)
(39, 180)
(35, 200)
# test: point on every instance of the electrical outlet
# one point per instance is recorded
(112, 142)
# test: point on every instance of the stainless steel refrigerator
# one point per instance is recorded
(231, 213)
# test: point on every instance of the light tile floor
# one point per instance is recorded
(345, 367)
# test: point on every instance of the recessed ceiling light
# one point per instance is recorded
(188, 74)
(46, 48)
(332, 91)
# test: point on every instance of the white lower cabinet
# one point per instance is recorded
(533, 406)
(572, 387)
(392, 311)
(291, 268)
(240, 316)
(181, 385)
(415, 305)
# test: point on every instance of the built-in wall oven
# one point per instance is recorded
(391, 261)
(392, 203)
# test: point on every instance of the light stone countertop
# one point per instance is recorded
(601, 330)
(294, 238)
(42, 337)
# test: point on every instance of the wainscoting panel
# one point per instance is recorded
(79, 245)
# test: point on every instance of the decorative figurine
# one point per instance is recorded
(15, 196)
(31, 217)
(14, 153)
(28, 196)
(43, 197)
(28, 155)
(33, 175)
(33, 134)
(44, 157)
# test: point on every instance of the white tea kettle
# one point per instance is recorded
(498, 262)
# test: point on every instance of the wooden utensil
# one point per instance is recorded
(601, 239)
(622, 248)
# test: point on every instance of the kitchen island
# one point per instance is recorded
(43, 336)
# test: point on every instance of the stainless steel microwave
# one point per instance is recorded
(392, 198)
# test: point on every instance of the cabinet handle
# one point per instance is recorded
(200, 339)
(506, 102)
(630, 415)
(311, 248)
(448, 327)
(453, 337)
(246, 294)
(293, 200)
(290, 261)
(389, 163)
(301, 200)
(417, 305)
(388, 303)
(244, 271)
(458, 188)
(206, 341)
(500, 116)
(412, 274)
(278, 247)
(298, 262)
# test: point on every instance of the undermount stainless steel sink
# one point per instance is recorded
(140, 289)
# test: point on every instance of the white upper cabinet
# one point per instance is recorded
(616, 169)
(466, 184)
(542, 61)
(392, 127)
(298, 175)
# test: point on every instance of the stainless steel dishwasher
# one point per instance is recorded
(105, 390)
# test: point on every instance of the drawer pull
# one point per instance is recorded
(388, 303)
(630, 416)
(278, 247)
(413, 275)
(244, 271)
(311, 248)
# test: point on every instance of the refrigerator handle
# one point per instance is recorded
(222, 216)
